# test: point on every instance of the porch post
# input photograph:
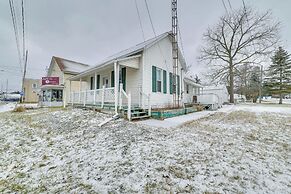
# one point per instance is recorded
(139, 96)
(80, 89)
(85, 97)
(103, 96)
(73, 94)
(120, 96)
(95, 86)
(70, 92)
(116, 85)
(149, 106)
(129, 106)
(64, 97)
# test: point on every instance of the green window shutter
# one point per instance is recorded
(171, 83)
(98, 82)
(154, 79)
(112, 78)
(123, 77)
(178, 82)
(164, 81)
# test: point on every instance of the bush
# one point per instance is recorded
(19, 109)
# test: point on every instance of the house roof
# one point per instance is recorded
(132, 51)
(192, 82)
(69, 66)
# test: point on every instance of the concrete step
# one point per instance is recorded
(140, 117)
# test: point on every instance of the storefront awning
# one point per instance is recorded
(49, 87)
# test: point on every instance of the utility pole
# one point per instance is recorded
(175, 52)
(24, 74)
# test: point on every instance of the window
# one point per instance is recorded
(187, 89)
(159, 80)
(57, 95)
(34, 86)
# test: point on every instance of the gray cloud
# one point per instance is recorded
(90, 30)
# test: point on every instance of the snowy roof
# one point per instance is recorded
(69, 66)
(215, 87)
(132, 51)
(192, 82)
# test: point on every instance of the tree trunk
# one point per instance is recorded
(231, 84)
(281, 80)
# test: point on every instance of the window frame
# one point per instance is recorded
(159, 81)
(34, 84)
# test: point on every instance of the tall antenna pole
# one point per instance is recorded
(175, 52)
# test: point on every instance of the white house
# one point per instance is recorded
(141, 76)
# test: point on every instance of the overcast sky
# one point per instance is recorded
(90, 30)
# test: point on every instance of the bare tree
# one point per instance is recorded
(241, 36)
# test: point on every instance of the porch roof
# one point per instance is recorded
(131, 52)
(192, 83)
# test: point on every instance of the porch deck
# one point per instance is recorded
(115, 99)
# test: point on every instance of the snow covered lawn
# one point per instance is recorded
(58, 150)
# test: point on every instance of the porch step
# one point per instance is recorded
(140, 117)
(136, 113)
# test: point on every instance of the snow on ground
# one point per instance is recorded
(180, 120)
(29, 105)
(4, 107)
(276, 100)
(261, 108)
(59, 150)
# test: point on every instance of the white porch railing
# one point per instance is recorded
(144, 101)
(98, 96)
(123, 98)
(107, 95)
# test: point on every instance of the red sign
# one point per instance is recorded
(50, 81)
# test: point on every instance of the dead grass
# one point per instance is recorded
(19, 109)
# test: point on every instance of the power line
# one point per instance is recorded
(23, 29)
(153, 28)
(13, 16)
(154, 31)
(139, 18)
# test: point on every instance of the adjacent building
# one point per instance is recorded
(31, 90)
(55, 88)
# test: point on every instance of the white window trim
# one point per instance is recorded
(161, 79)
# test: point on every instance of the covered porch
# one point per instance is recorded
(115, 85)
(192, 91)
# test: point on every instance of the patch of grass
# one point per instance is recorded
(240, 117)
(8, 187)
(252, 137)
(19, 109)
(149, 187)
